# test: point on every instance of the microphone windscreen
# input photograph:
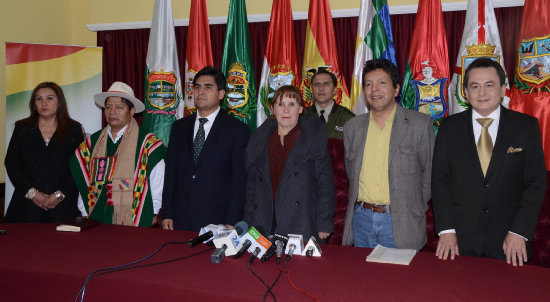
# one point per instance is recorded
(241, 227)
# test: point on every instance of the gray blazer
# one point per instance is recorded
(410, 164)
(304, 203)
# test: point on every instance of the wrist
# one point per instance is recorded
(31, 193)
(59, 195)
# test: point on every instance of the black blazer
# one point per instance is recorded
(212, 191)
(30, 163)
(484, 209)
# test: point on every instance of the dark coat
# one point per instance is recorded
(212, 191)
(304, 202)
(481, 209)
(30, 163)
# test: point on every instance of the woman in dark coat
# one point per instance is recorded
(37, 160)
(289, 186)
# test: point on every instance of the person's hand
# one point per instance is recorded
(323, 235)
(41, 200)
(52, 201)
(155, 221)
(515, 250)
(446, 246)
(168, 224)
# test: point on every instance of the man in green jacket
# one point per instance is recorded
(323, 85)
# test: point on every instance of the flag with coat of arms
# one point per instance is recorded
(238, 67)
(198, 53)
(280, 61)
(531, 88)
(479, 39)
(162, 78)
(320, 51)
(426, 78)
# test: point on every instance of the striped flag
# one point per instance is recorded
(320, 51)
(162, 82)
(199, 51)
(479, 39)
(374, 41)
(531, 89)
(238, 67)
(280, 61)
(426, 78)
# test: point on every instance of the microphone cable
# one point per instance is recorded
(270, 288)
(260, 278)
(107, 270)
(294, 286)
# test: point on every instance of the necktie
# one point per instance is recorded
(199, 140)
(323, 116)
(485, 144)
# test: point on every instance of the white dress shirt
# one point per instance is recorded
(208, 125)
(156, 179)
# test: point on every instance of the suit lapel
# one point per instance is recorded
(468, 141)
(360, 135)
(399, 125)
(212, 137)
(499, 151)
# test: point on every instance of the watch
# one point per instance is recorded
(31, 193)
(60, 196)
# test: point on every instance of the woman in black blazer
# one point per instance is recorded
(37, 160)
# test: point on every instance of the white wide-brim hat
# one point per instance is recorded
(122, 90)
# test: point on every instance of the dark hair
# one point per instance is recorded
(62, 116)
(484, 63)
(125, 101)
(211, 71)
(290, 92)
(323, 70)
(385, 65)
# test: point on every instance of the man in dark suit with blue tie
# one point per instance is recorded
(486, 200)
(204, 181)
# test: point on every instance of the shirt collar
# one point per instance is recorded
(119, 134)
(328, 110)
(495, 115)
(210, 117)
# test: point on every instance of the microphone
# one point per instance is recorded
(244, 248)
(271, 251)
(291, 249)
(226, 244)
(280, 249)
(200, 239)
(256, 239)
(312, 248)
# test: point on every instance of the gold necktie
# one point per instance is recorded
(485, 144)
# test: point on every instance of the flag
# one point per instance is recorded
(162, 77)
(280, 60)
(479, 39)
(374, 41)
(199, 51)
(320, 51)
(238, 67)
(531, 89)
(426, 78)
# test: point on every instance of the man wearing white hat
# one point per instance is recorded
(119, 170)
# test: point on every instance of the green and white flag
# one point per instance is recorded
(374, 41)
(163, 92)
(238, 67)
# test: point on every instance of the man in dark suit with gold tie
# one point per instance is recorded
(488, 174)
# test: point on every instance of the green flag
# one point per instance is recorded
(238, 67)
